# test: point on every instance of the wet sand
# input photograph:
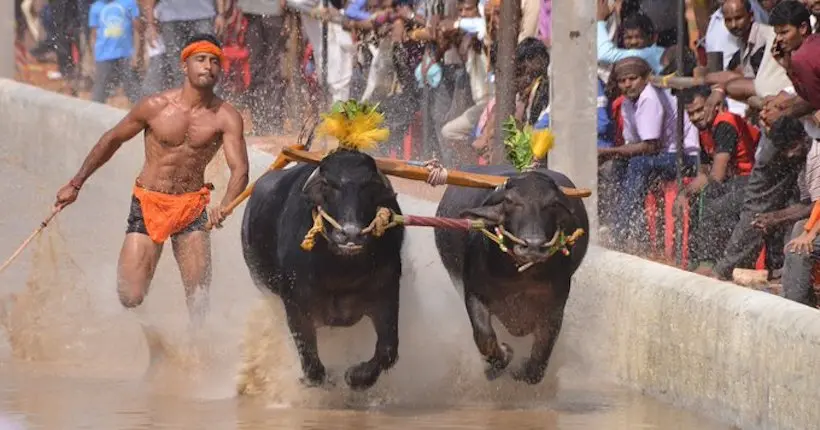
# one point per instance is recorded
(39, 401)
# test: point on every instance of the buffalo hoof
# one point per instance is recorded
(314, 378)
(530, 372)
(362, 376)
(495, 367)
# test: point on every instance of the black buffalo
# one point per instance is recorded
(347, 275)
(533, 208)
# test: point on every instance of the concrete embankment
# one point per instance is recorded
(746, 357)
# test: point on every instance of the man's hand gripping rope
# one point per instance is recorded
(438, 174)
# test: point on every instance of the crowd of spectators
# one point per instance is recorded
(751, 154)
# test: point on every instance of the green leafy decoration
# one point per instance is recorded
(517, 142)
(351, 108)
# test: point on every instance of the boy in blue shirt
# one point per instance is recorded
(113, 24)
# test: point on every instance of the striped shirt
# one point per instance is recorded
(812, 172)
(810, 176)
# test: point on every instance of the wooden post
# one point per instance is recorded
(505, 70)
(679, 51)
(7, 39)
(323, 76)
(573, 98)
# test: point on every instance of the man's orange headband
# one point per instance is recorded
(202, 46)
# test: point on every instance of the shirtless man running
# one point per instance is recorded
(184, 128)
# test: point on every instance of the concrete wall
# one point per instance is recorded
(744, 356)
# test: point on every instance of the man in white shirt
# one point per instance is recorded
(340, 47)
(650, 131)
(742, 40)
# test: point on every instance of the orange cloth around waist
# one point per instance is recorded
(166, 214)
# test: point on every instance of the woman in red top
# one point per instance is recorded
(728, 145)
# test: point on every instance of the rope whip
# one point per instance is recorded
(31, 237)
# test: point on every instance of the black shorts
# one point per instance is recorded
(136, 222)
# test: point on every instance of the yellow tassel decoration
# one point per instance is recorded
(334, 126)
(357, 126)
(542, 143)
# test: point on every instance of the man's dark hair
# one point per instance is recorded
(639, 21)
(790, 12)
(200, 37)
(746, 5)
(688, 95)
(786, 131)
(532, 49)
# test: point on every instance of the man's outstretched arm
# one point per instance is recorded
(134, 122)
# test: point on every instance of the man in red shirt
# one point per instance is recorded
(728, 145)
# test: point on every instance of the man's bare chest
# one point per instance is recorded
(172, 128)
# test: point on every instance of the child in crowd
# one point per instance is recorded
(117, 47)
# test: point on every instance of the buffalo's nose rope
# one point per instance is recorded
(310, 238)
(386, 219)
(381, 222)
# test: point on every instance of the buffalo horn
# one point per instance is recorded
(313, 176)
(385, 180)
(553, 240)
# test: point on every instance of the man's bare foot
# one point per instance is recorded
(156, 349)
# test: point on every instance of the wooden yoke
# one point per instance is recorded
(685, 82)
(418, 173)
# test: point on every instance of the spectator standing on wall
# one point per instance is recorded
(265, 39)
(65, 14)
(340, 46)
(757, 73)
(117, 47)
(803, 249)
(728, 33)
(176, 22)
(802, 61)
(772, 186)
